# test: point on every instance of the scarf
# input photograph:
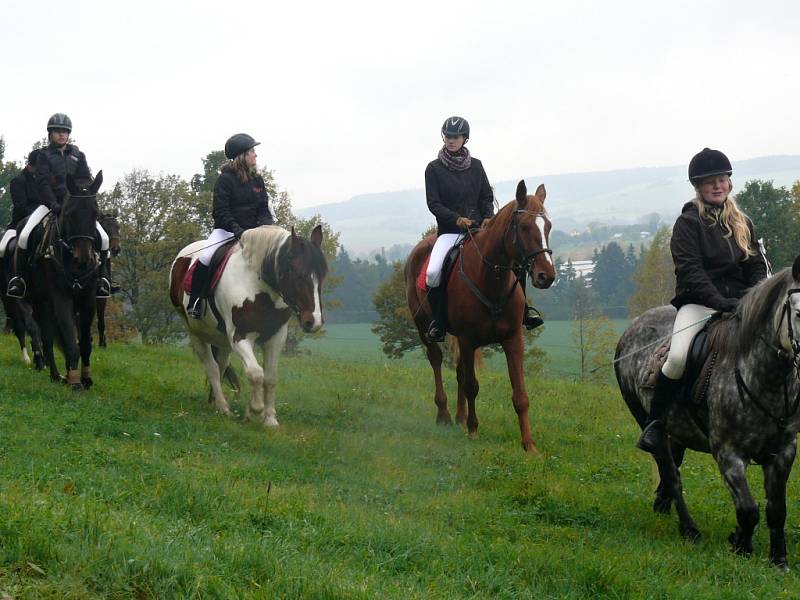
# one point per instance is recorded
(460, 161)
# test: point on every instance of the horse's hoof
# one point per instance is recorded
(691, 534)
(737, 547)
(444, 419)
(473, 435)
(38, 362)
(271, 423)
(662, 505)
(86, 382)
(530, 448)
(76, 387)
(780, 563)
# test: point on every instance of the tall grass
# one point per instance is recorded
(137, 489)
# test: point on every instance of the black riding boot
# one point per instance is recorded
(16, 285)
(532, 318)
(115, 287)
(654, 435)
(199, 280)
(103, 289)
(437, 330)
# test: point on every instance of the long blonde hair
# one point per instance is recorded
(730, 217)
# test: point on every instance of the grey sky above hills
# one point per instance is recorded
(370, 221)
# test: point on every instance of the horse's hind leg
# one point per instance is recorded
(663, 502)
(733, 468)
(776, 474)
(671, 485)
(205, 355)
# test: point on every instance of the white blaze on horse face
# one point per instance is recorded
(540, 225)
(317, 307)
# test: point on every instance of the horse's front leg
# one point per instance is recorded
(733, 469)
(64, 313)
(85, 340)
(468, 386)
(100, 304)
(776, 474)
(255, 374)
(514, 348)
(272, 350)
(25, 313)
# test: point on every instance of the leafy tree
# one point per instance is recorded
(394, 326)
(775, 213)
(157, 216)
(8, 170)
(654, 280)
(593, 335)
(611, 279)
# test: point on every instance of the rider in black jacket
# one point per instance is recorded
(240, 203)
(53, 164)
(717, 258)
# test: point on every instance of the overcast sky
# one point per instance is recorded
(348, 97)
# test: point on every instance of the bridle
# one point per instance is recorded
(518, 266)
(73, 281)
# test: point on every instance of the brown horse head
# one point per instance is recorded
(77, 222)
(302, 268)
(527, 236)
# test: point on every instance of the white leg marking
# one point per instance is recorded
(272, 350)
(203, 351)
(25, 358)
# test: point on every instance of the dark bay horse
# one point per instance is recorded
(111, 226)
(63, 281)
(750, 412)
(485, 302)
(19, 313)
(271, 273)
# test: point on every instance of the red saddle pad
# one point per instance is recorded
(187, 280)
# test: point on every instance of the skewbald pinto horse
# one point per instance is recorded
(485, 302)
(271, 273)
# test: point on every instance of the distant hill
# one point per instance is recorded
(370, 222)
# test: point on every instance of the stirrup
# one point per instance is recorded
(14, 285)
(532, 321)
(103, 288)
(195, 309)
(436, 333)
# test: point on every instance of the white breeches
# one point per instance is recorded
(687, 321)
(7, 237)
(442, 246)
(213, 242)
(35, 218)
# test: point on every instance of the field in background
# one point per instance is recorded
(137, 489)
(356, 342)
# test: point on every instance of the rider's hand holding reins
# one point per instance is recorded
(464, 223)
(485, 222)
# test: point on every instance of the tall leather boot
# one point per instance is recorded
(654, 434)
(17, 287)
(437, 330)
(199, 281)
(103, 289)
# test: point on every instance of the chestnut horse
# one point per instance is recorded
(485, 301)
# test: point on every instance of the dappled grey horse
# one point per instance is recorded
(749, 414)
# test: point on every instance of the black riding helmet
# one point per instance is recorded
(238, 143)
(59, 121)
(708, 163)
(456, 126)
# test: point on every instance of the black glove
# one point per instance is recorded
(56, 209)
(237, 232)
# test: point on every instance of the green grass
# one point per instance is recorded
(137, 489)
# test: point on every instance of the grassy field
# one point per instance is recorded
(137, 489)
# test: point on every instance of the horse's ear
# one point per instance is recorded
(98, 181)
(541, 193)
(71, 187)
(295, 241)
(796, 269)
(522, 192)
(316, 235)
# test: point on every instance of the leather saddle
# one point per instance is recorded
(448, 266)
(216, 267)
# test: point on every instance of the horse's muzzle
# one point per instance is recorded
(542, 279)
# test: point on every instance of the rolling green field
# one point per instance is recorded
(136, 489)
(357, 343)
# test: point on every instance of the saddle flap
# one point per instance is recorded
(448, 265)
(217, 266)
(653, 365)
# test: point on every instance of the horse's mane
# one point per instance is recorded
(258, 242)
(754, 314)
(266, 245)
